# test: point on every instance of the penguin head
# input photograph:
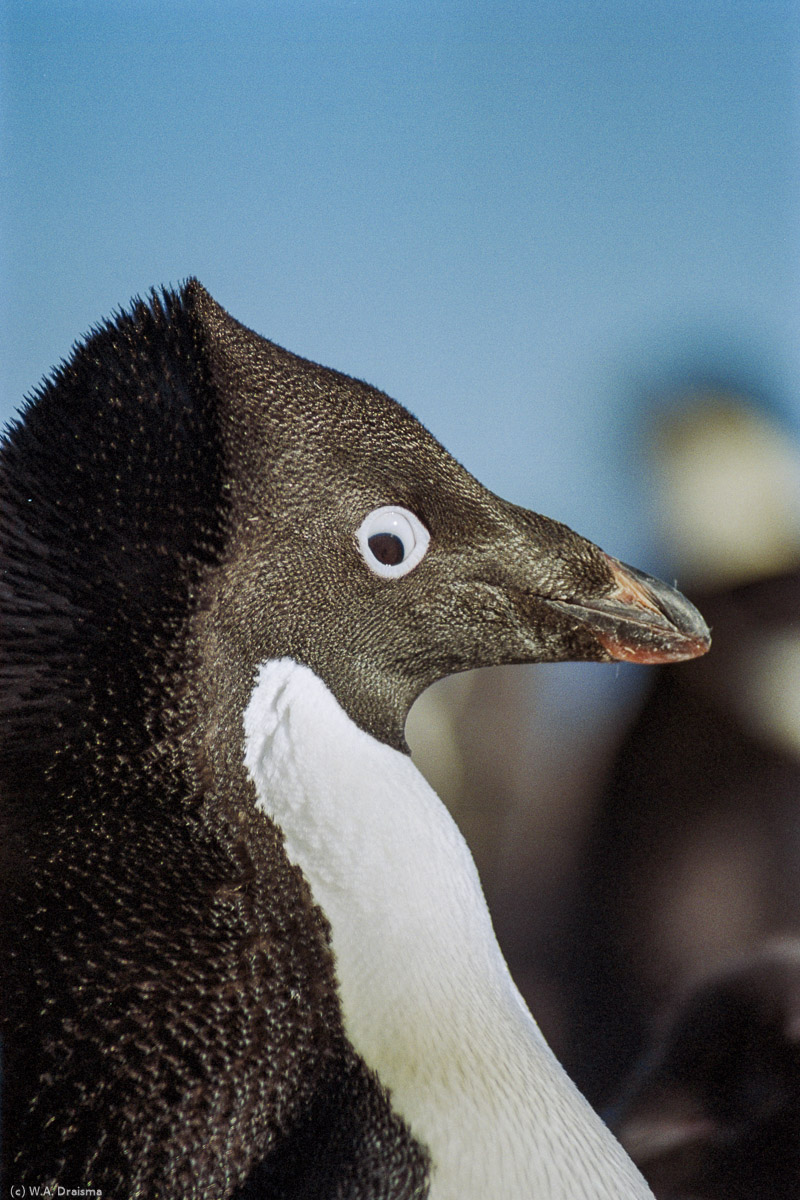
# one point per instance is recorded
(362, 549)
(183, 488)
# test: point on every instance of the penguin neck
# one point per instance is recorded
(427, 998)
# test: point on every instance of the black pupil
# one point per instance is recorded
(387, 548)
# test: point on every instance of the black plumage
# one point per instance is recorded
(133, 918)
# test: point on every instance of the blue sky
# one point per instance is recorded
(517, 218)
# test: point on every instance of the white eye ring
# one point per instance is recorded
(392, 541)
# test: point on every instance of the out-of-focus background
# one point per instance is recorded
(565, 235)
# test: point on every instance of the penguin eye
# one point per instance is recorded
(392, 541)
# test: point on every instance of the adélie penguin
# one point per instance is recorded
(245, 949)
(712, 1110)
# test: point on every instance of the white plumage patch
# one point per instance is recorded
(427, 998)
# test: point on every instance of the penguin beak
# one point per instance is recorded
(641, 620)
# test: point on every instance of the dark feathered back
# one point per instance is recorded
(713, 1110)
(111, 505)
(171, 1022)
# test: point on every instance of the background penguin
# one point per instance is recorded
(713, 1110)
(246, 950)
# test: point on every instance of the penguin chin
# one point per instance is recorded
(618, 614)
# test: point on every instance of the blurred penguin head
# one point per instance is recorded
(728, 482)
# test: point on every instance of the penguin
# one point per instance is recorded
(245, 948)
(712, 1109)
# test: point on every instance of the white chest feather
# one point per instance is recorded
(427, 998)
